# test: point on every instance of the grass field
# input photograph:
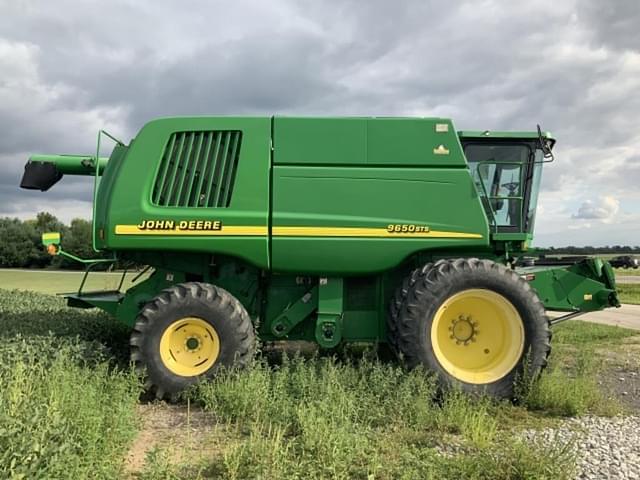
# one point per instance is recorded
(67, 410)
(70, 408)
(627, 271)
(53, 281)
(629, 292)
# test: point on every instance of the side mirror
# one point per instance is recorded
(544, 146)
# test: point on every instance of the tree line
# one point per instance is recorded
(21, 244)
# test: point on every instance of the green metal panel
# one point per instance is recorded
(500, 236)
(295, 313)
(363, 326)
(340, 141)
(375, 141)
(110, 177)
(413, 141)
(330, 309)
(585, 286)
(242, 228)
(344, 214)
(282, 292)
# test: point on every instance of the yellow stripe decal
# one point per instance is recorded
(363, 232)
(231, 230)
(244, 231)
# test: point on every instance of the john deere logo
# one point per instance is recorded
(180, 225)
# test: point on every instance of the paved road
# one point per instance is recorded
(628, 278)
(627, 316)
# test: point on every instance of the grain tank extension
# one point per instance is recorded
(397, 231)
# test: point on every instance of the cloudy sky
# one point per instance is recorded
(68, 68)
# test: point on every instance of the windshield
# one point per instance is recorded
(507, 182)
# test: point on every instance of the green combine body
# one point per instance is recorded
(327, 230)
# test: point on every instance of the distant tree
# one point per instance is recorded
(17, 247)
(78, 241)
(47, 222)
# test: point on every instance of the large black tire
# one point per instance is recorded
(419, 300)
(225, 317)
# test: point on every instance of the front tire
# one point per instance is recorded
(187, 333)
(475, 323)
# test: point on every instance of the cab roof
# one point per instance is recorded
(501, 134)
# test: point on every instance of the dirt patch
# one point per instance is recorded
(183, 433)
(624, 384)
(621, 372)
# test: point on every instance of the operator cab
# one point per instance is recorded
(507, 169)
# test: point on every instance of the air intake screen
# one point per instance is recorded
(198, 169)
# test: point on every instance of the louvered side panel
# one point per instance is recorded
(198, 169)
(230, 177)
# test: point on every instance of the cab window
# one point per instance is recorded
(499, 172)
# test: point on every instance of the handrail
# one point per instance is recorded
(96, 182)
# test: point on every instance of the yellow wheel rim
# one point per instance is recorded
(189, 347)
(477, 336)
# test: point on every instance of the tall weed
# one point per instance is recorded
(66, 410)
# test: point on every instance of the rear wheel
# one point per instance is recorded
(187, 333)
(475, 323)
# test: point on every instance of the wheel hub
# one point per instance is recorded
(463, 330)
(192, 343)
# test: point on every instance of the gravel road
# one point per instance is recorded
(607, 448)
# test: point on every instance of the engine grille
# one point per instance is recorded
(198, 169)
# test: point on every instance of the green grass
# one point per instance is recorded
(66, 410)
(629, 292)
(321, 418)
(54, 281)
(569, 386)
(573, 334)
(627, 271)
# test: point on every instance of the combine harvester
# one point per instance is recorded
(384, 230)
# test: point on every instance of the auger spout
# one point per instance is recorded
(43, 171)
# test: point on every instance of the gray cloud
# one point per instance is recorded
(69, 68)
(614, 24)
(603, 209)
